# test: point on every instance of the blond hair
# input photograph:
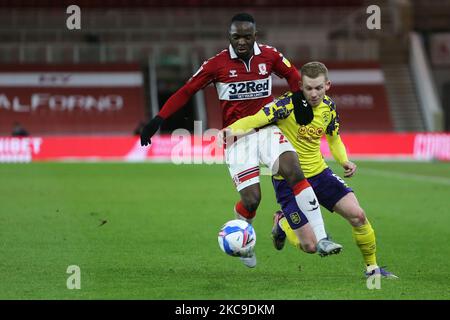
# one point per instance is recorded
(314, 69)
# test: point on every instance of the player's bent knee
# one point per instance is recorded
(362, 217)
(289, 168)
(293, 177)
(358, 218)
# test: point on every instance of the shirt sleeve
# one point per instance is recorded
(246, 124)
(333, 126)
(204, 76)
(270, 113)
(285, 69)
(337, 148)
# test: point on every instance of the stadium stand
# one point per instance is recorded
(71, 99)
(178, 35)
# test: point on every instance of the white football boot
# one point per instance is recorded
(249, 258)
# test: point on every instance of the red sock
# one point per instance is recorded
(240, 209)
(300, 186)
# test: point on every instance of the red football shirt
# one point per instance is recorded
(243, 88)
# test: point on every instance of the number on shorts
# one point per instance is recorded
(339, 178)
(282, 137)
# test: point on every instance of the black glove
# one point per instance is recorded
(302, 109)
(150, 129)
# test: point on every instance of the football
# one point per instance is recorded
(237, 238)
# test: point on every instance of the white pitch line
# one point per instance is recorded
(406, 176)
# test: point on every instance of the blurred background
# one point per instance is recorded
(116, 71)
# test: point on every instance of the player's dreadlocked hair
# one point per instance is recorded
(243, 17)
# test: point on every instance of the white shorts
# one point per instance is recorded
(245, 155)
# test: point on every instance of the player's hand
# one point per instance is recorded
(150, 129)
(349, 169)
(222, 137)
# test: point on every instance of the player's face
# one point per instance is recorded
(242, 38)
(314, 89)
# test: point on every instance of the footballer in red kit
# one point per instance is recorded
(242, 77)
(242, 86)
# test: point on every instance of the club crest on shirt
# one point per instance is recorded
(262, 69)
(233, 74)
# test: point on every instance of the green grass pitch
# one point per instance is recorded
(149, 231)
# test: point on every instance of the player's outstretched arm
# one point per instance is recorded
(243, 126)
(247, 124)
(199, 80)
(172, 105)
(281, 108)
